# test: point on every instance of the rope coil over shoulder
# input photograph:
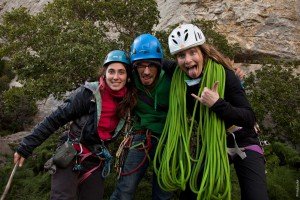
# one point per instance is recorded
(173, 162)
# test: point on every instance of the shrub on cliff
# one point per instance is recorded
(274, 94)
(58, 49)
(17, 109)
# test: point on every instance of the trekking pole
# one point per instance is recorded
(7, 187)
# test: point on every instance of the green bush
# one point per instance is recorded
(17, 109)
(274, 94)
(286, 154)
(58, 49)
(281, 183)
(6, 75)
(4, 80)
(31, 181)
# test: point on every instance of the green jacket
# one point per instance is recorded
(152, 106)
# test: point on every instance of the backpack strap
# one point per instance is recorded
(94, 87)
(148, 100)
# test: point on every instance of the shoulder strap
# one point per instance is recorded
(148, 100)
(93, 86)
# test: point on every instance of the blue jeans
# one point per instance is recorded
(127, 184)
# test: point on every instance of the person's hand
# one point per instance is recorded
(239, 73)
(209, 96)
(18, 159)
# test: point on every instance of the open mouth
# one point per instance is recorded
(192, 71)
(146, 77)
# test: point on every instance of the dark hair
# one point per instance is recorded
(130, 99)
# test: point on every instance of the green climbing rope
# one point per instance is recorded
(173, 162)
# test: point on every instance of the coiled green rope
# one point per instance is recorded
(173, 161)
(176, 166)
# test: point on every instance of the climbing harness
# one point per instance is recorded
(103, 158)
(240, 151)
(236, 150)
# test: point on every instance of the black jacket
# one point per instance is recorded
(234, 109)
(81, 109)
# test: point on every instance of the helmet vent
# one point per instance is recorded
(178, 33)
(158, 50)
(174, 41)
(199, 35)
(196, 36)
(186, 36)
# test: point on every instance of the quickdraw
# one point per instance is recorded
(125, 146)
(105, 155)
(122, 152)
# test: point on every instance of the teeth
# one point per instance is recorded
(189, 67)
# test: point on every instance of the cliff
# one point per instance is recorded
(260, 27)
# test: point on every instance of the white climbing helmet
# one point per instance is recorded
(185, 36)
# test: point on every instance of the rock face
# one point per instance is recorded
(7, 142)
(34, 6)
(45, 107)
(260, 27)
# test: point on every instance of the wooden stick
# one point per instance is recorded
(7, 187)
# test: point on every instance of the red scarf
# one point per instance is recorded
(108, 118)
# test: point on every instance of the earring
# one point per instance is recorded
(128, 80)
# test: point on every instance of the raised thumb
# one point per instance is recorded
(215, 86)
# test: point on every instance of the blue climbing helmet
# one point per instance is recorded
(116, 56)
(146, 47)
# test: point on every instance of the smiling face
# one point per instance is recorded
(147, 73)
(191, 61)
(116, 76)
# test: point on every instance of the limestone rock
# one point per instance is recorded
(7, 142)
(260, 27)
(266, 27)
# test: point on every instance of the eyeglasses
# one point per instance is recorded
(143, 66)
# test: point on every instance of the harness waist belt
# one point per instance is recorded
(256, 148)
(141, 132)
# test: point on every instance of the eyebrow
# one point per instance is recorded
(116, 69)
